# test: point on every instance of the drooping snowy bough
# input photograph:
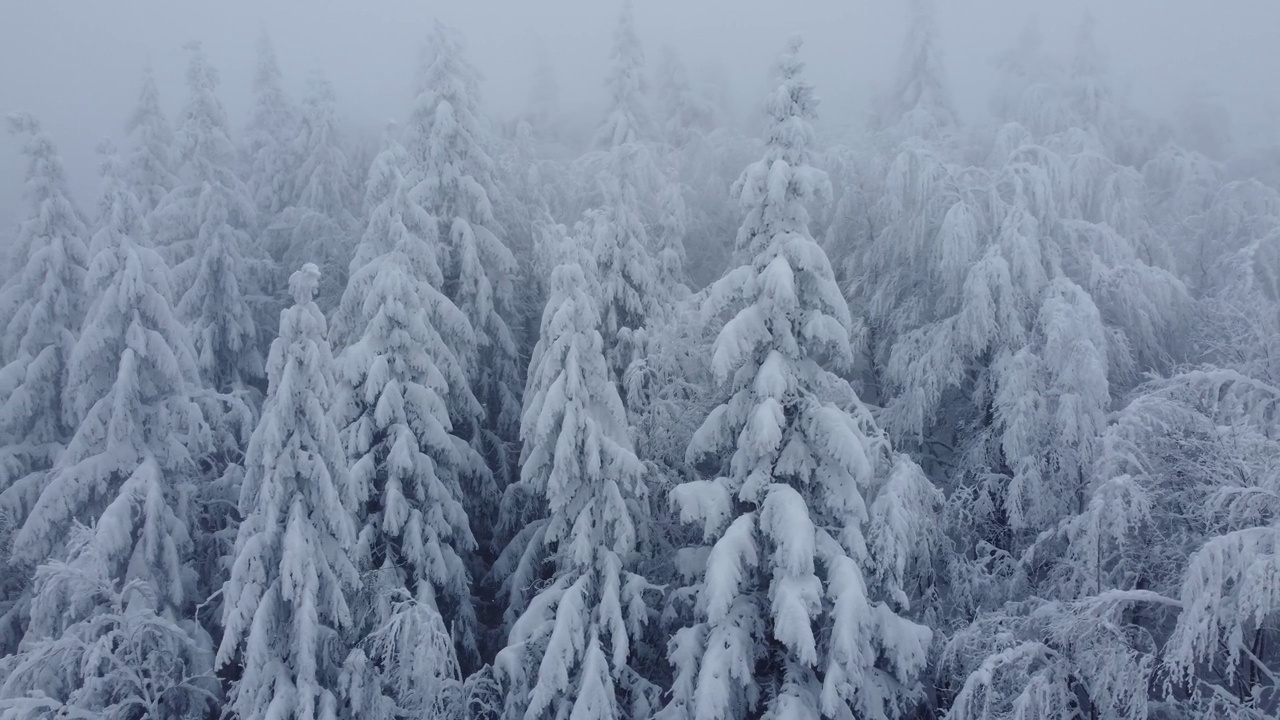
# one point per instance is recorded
(814, 528)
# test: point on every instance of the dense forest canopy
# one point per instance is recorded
(661, 415)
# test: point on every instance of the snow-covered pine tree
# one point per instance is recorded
(41, 311)
(409, 467)
(150, 161)
(107, 630)
(672, 281)
(920, 103)
(270, 153)
(621, 227)
(202, 227)
(130, 389)
(397, 218)
(388, 210)
(449, 162)
(319, 226)
(287, 603)
(818, 535)
(571, 643)
(628, 119)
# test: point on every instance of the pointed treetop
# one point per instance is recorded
(118, 206)
(791, 109)
(266, 77)
(148, 99)
(921, 86)
(150, 150)
(303, 283)
(45, 173)
(443, 70)
(773, 190)
(200, 74)
(203, 143)
(628, 120)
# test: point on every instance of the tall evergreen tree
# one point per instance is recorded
(453, 172)
(150, 163)
(627, 120)
(130, 388)
(571, 644)
(921, 100)
(41, 311)
(320, 227)
(271, 154)
(202, 226)
(287, 603)
(397, 219)
(409, 467)
(111, 613)
(816, 530)
(620, 231)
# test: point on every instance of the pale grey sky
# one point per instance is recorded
(76, 64)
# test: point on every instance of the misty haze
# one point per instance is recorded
(582, 360)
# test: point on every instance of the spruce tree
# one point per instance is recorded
(150, 160)
(131, 389)
(620, 231)
(286, 610)
(816, 531)
(271, 155)
(409, 466)
(921, 101)
(41, 311)
(570, 645)
(203, 229)
(319, 227)
(449, 162)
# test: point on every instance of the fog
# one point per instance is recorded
(76, 65)
(875, 358)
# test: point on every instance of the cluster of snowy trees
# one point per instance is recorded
(977, 421)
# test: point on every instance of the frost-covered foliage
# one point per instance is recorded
(817, 535)
(920, 101)
(99, 648)
(150, 162)
(572, 642)
(202, 228)
(409, 467)
(637, 223)
(271, 153)
(1203, 446)
(628, 120)
(398, 222)
(287, 605)
(318, 226)
(1037, 659)
(41, 311)
(1005, 305)
(977, 422)
(1243, 310)
(624, 270)
(140, 433)
(1141, 626)
(448, 148)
